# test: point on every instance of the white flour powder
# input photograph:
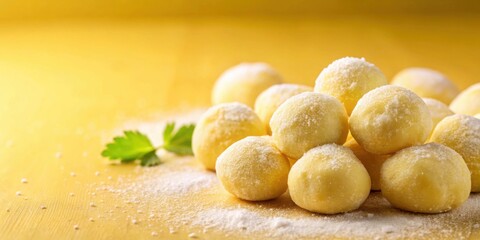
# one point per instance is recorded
(180, 193)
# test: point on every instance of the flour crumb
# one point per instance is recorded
(76, 227)
(24, 180)
(192, 235)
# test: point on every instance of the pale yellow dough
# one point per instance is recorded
(429, 178)
(308, 120)
(372, 162)
(477, 116)
(269, 100)
(253, 169)
(462, 134)
(329, 179)
(221, 126)
(438, 110)
(244, 82)
(348, 79)
(427, 83)
(468, 101)
(390, 118)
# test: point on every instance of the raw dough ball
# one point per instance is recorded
(372, 162)
(462, 134)
(269, 100)
(253, 169)
(221, 126)
(438, 110)
(308, 120)
(430, 178)
(468, 101)
(348, 79)
(427, 83)
(329, 179)
(390, 118)
(244, 82)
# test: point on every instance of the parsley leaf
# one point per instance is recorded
(130, 147)
(134, 145)
(179, 142)
(149, 160)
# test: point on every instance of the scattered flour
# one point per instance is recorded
(183, 196)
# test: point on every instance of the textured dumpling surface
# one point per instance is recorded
(244, 82)
(468, 101)
(372, 162)
(269, 100)
(427, 83)
(329, 179)
(308, 120)
(390, 118)
(253, 169)
(462, 134)
(438, 110)
(429, 178)
(219, 127)
(348, 79)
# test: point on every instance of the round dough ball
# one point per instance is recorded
(462, 134)
(438, 110)
(221, 126)
(329, 179)
(308, 120)
(427, 83)
(390, 118)
(372, 162)
(253, 169)
(468, 101)
(244, 82)
(430, 178)
(348, 79)
(269, 100)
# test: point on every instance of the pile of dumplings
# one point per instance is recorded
(417, 139)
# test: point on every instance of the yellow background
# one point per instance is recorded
(72, 71)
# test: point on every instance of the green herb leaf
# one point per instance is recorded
(149, 160)
(179, 142)
(136, 146)
(130, 147)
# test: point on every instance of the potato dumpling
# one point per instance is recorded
(269, 100)
(438, 110)
(348, 79)
(462, 134)
(427, 83)
(372, 162)
(329, 179)
(390, 118)
(308, 120)
(253, 169)
(244, 82)
(429, 178)
(468, 101)
(219, 127)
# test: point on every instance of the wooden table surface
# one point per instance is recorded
(66, 85)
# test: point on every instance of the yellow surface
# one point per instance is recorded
(65, 85)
